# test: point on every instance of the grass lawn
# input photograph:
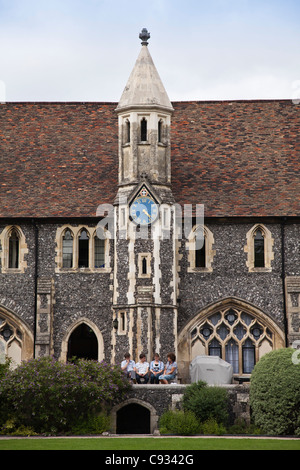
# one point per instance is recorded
(150, 443)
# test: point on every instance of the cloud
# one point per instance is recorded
(75, 50)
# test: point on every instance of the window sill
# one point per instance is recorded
(12, 271)
(260, 270)
(82, 270)
(200, 270)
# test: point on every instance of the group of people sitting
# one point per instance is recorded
(156, 371)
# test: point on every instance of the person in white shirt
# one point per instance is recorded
(142, 369)
(156, 369)
(128, 366)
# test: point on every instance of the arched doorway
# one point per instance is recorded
(135, 416)
(87, 338)
(83, 343)
(133, 419)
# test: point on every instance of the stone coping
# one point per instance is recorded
(183, 386)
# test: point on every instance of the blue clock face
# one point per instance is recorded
(143, 210)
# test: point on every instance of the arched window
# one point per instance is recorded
(14, 246)
(235, 336)
(259, 250)
(200, 257)
(200, 249)
(13, 250)
(67, 249)
(127, 134)
(83, 249)
(144, 130)
(99, 250)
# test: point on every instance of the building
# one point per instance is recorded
(101, 218)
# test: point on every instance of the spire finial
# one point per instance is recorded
(144, 36)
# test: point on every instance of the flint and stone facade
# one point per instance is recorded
(68, 167)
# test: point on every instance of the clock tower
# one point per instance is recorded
(145, 268)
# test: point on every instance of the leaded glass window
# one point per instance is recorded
(68, 250)
(99, 253)
(235, 336)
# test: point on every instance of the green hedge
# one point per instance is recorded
(275, 393)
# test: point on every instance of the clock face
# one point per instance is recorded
(144, 210)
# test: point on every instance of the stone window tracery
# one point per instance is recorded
(235, 336)
(10, 341)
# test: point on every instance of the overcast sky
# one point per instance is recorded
(84, 50)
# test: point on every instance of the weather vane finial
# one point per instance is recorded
(144, 36)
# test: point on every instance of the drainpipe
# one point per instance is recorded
(36, 238)
(283, 274)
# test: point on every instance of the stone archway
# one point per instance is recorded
(75, 328)
(134, 416)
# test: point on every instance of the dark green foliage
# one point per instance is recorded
(275, 393)
(51, 397)
(207, 402)
(179, 423)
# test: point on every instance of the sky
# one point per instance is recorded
(84, 50)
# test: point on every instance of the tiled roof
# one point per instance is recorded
(239, 158)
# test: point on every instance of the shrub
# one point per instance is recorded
(95, 424)
(207, 402)
(51, 397)
(179, 422)
(275, 393)
(4, 368)
(212, 427)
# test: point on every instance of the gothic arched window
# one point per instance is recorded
(67, 250)
(259, 250)
(127, 135)
(235, 336)
(14, 247)
(83, 249)
(13, 250)
(99, 251)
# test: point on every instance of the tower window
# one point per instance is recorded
(144, 130)
(160, 128)
(13, 261)
(127, 132)
(144, 266)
